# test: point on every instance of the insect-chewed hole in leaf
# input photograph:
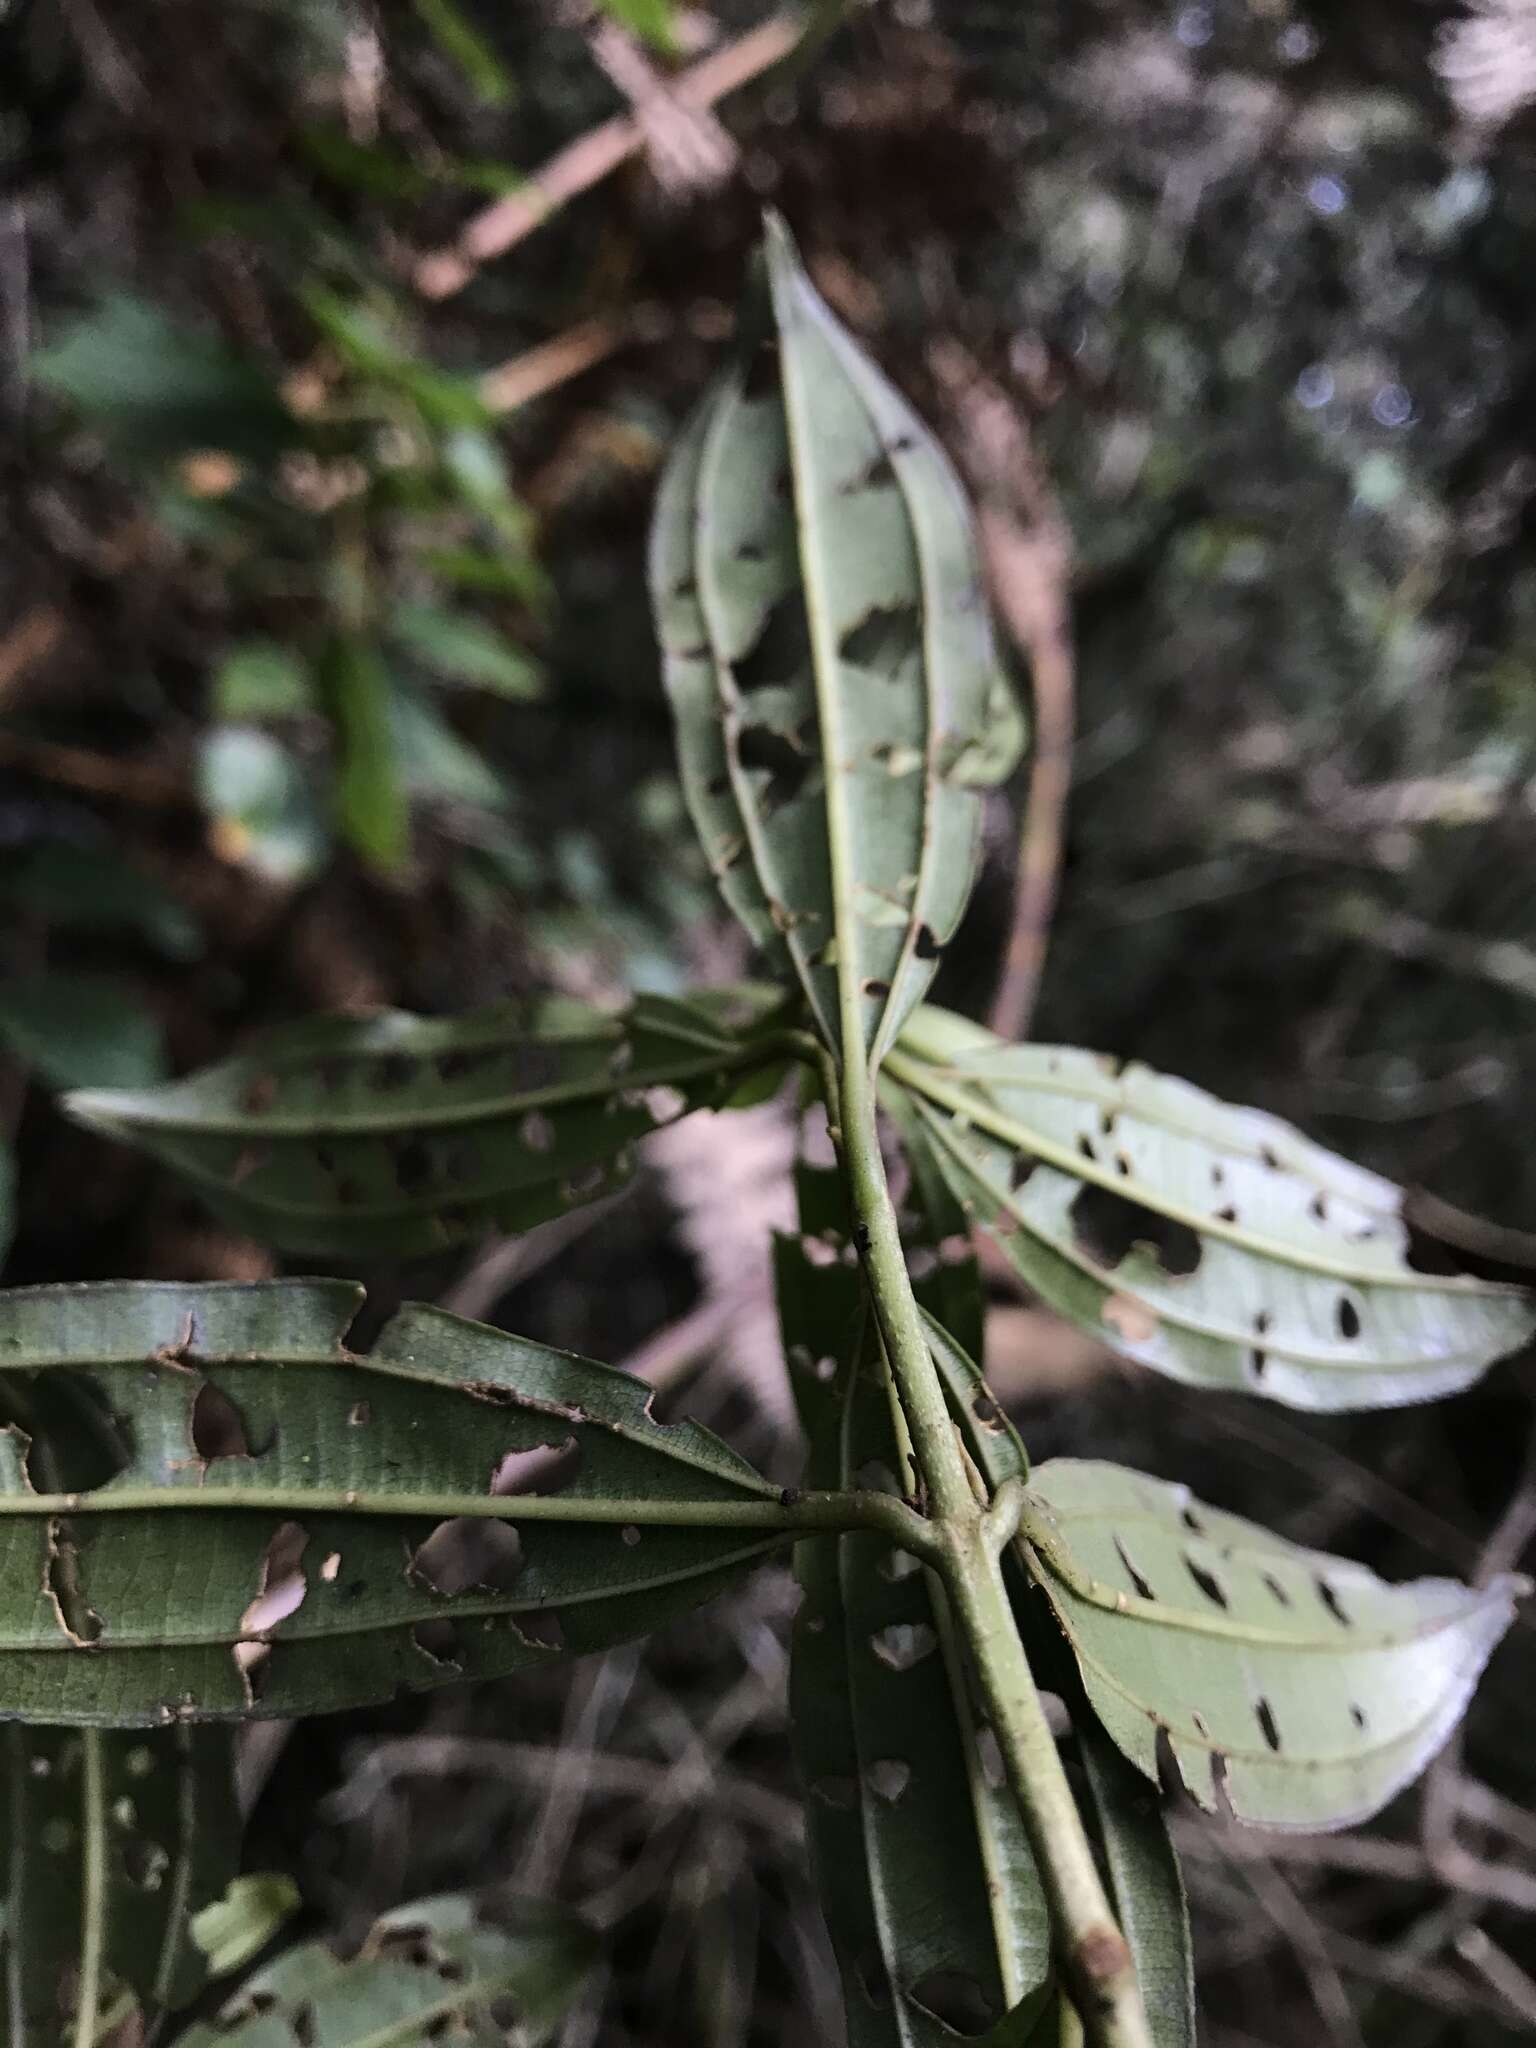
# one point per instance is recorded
(258, 1094)
(1357, 1714)
(888, 1777)
(145, 1864)
(927, 945)
(62, 1582)
(411, 1159)
(841, 1794)
(781, 651)
(903, 1644)
(1020, 1167)
(1275, 1589)
(1138, 1581)
(897, 1565)
(1329, 1596)
(1348, 1318)
(281, 1588)
(883, 639)
(1258, 1363)
(878, 989)
(466, 1551)
(542, 1625)
(218, 1428)
(664, 1104)
(330, 1570)
(1107, 1225)
(986, 1410)
(1269, 1727)
(1206, 1580)
(990, 1756)
(358, 1415)
(438, 1638)
(956, 2000)
(546, 1468)
(630, 1535)
(536, 1132)
(301, 2024)
(248, 1160)
(787, 764)
(1191, 1520)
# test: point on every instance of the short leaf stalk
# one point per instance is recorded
(968, 1541)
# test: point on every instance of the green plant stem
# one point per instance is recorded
(1093, 1955)
(791, 1514)
(93, 1887)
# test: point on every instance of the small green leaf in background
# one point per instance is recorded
(461, 42)
(94, 888)
(422, 1967)
(81, 1031)
(160, 1804)
(156, 389)
(233, 1928)
(261, 806)
(372, 812)
(654, 21)
(261, 679)
(1216, 1245)
(461, 648)
(437, 765)
(1294, 1689)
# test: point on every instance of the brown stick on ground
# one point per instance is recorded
(593, 156)
(1027, 547)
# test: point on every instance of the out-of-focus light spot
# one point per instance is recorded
(1297, 42)
(1327, 195)
(1314, 387)
(1392, 407)
(1194, 27)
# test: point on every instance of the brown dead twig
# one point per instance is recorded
(1027, 547)
(593, 156)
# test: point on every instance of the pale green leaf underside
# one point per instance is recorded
(426, 1972)
(1216, 1245)
(391, 1133)
(164, 1808)
(262, 1460)
(1295, 1687)
(830, 664)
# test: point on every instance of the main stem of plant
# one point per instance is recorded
(1092, 1952)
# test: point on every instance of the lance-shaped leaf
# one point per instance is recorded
(830, 663)
(400, 1134)
(293, 1527)
(427, 1972)
(927, 1882)
(1216, 1245)
(1145, 1884)
(1296, 1689)
(113, 1841)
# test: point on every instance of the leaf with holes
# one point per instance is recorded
(154, 1813)
(1216, 1245)
(1295, 1688)
(426, 1970)
(291, 1526)
(1146, 1886)
(927, 1881)
(392, 1133)
(830, 664)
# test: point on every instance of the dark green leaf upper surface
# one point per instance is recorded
(161, 1805)
(927, 1881)
(393, 1133)
(1145, 1884)
(1214, 1244)
(830, 664)
(1293, 1688)
(293, 1527)
(426, 1972)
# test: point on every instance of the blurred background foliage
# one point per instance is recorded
(330, 425)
